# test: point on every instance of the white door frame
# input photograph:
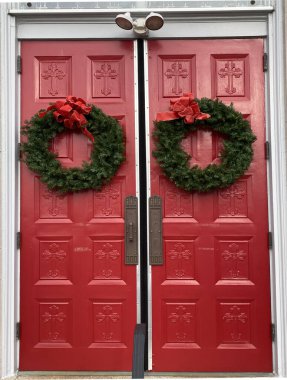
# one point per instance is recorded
(194, 23)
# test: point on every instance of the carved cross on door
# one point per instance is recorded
(54, 210)
(108, 193)
(234, 255)
(53, 255)
(178, 198)
(176, 71)
(53, 73)
(107, 316)
(231, 71)
(107, 253)
(182, 318)
(52, 317)
(235, 317)
(233, 193)
(106, 72)
(179, 253)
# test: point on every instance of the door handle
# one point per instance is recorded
(131, 230)
(155, 231)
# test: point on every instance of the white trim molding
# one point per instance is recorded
(9, 200)
(278, 180)
(18, 24)
(148, 194)
(137, 174)
(192, 25)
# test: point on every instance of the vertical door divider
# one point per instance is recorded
(143, 189)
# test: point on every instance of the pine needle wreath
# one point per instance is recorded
(236, 155)
(106, 157)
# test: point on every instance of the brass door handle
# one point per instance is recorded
(155, 231)
(131, 230)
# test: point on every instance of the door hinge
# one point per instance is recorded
(18, 330)
(19, 64)
(270, 240)
(267, 150)
(273, 332)
(18, 238)
(265, 62)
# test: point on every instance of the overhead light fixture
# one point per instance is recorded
(140, 26)
(154, 21)
(124, 21)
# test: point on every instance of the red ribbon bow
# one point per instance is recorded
(184, 107)
(71, 112)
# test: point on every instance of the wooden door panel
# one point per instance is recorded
(78, 298)
(212, 309)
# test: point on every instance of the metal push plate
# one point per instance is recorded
(131, 230)
(155, 231)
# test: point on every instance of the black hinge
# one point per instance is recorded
(18, 330)
(270, 240)
(273, 332)
(267, 150)
(265, 62)
(19, 64)
(18, 238)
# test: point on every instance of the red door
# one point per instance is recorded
(78, 298)
(78, 306)
(211, 308)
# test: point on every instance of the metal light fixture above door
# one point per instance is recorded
(140, 26)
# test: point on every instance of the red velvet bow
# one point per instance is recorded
(184, 107)
(71, 113)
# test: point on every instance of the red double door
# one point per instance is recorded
(210, 300)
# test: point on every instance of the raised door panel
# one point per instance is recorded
(211, 297)
(78, 298)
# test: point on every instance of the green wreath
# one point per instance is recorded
(105, 132)
(235, 156)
